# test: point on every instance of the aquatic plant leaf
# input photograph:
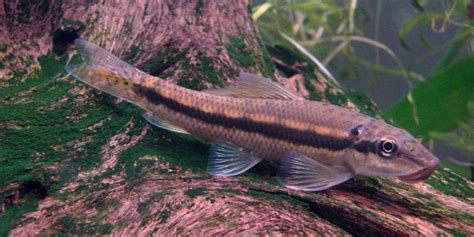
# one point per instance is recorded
(440, 101)
(260, 10)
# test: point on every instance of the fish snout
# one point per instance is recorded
(423, 173)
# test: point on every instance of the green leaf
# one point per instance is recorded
(312, 6)
(457, 44)
(441, 101)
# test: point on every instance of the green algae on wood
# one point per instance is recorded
(198, 8)
(34, 124)
(266, 65)
(132, 53)
(70, 23)
(71, 225)
(451, 183)
(237, 50)
(163, 61)
(195, 192)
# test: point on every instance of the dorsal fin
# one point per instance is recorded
(249, 85)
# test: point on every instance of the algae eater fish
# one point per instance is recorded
(318, 145)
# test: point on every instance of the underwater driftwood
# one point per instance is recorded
(76, 161)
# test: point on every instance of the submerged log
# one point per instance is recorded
(76, 161)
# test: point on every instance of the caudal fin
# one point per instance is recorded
(104, 71)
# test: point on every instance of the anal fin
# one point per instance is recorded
(228, 160)
(162, 123)
(297, 171)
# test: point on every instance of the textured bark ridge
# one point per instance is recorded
(195, 43)
(76, 161)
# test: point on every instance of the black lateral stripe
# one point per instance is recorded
(296, 136)
(366, 146)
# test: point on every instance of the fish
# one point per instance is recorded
(317, 145)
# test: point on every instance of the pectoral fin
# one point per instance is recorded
(300, 172)
(228, 160)
(249, 85)
(162, 123)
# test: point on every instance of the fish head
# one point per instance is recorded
(385, 150)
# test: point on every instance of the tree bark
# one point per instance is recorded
(76, 161)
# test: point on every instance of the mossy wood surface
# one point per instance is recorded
(76, 161)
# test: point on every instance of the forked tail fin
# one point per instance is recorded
(105, 72)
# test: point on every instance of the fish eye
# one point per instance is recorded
(387, 148)
(357, 130)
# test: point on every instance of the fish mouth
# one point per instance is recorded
(422, 174)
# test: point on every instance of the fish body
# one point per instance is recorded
(317, 144)
(267, 127)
